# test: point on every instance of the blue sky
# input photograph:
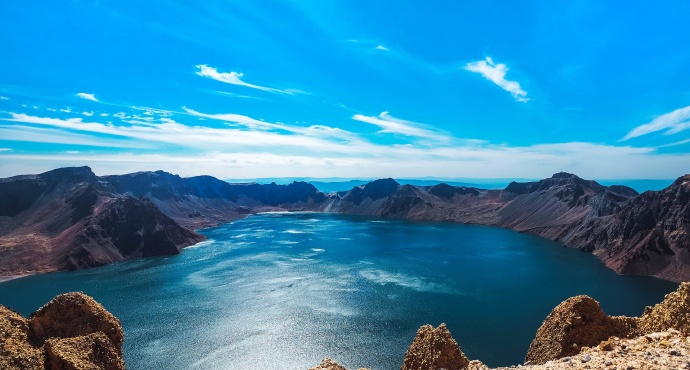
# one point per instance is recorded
(247, 89)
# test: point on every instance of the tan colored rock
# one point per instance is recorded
(434, 349)
(577, 322)
(328, 364)
(15, 350)
(672, 313)
(72, 315)
(71, 332)
(89, 352)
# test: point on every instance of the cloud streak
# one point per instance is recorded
(673, 122)
(86, 96)
(389, 124)
(496, 73)
(234, 78)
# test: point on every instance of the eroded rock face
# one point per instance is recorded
(71, 332)
(71, 315)
(328, 364)
(15, 350)
(93, 351)
(577, 322)
(672, 313)
(434, 349)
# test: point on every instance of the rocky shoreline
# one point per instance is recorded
(69, 218)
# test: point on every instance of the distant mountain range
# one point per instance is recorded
(336, 184)
(70, 218)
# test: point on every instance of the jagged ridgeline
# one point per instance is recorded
(70, 218)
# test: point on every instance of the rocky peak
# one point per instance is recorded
(434, 349)
(564, 175)
(683, 182)
(72, 331)
(380, 188)
(444, 190)
(69, 175)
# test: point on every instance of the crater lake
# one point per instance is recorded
(285, 290)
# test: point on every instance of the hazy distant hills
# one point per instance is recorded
(328, 185)
(70, 218)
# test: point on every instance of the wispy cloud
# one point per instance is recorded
(5, 149)
(4, 98)
(381, 47)
(390, 124)
(673, 122)
(86, 96)
(320, 131)
(234, 78)
(496, 73)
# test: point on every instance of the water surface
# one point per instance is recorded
(285, 290)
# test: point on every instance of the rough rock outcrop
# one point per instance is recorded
(16, 352)
(577, 322)
(71, 315)
(328, 364)
(92, 351)
(434, 349)
(70, 332)
(672, 313)
(580, 322)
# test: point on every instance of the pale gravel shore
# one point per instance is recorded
(12, 277)
(664, 350)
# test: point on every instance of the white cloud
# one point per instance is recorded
(584, 159)
(170, 132)
(389, 124)
(674, 122)
(88, 114)
(72, 152)
(4, 98)
(496, 73)
(86, 96)
(246, 147)
(5, 149)
(381, 47)
(233, 78)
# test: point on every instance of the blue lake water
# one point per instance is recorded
(283, 291)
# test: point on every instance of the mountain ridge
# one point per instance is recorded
(632, 233)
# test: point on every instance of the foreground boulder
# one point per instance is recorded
(15, 350)
(72, 331)
(328, 364)
(434, 349)
(577, 322)
(580, 322)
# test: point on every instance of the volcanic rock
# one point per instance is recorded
(92, 351)
(577, 322)
(434, 349)
(16, 352)
(70, 332)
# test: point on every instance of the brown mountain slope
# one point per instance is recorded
(648, 236)
(203, 201)
(65, 222)
(74, 219)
